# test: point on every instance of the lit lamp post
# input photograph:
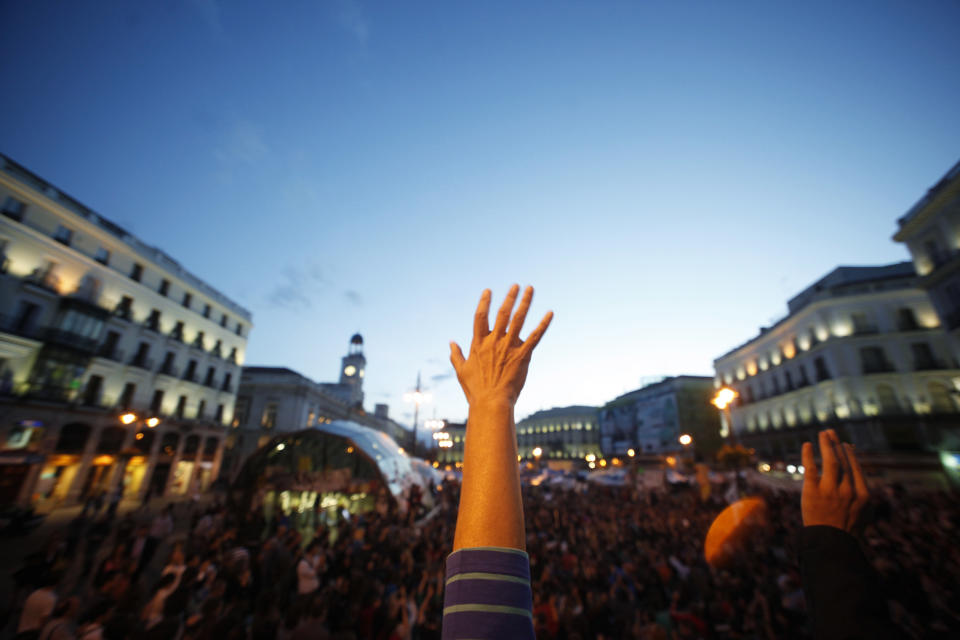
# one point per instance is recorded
(537, 452)
(724, 398)
(417, 397)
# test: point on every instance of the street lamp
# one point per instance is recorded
(417, 397)
(152, 422)
(724, 398)
(537, 452)
(685, 439)
(128, 417)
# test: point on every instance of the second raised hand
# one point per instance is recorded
(497, 367)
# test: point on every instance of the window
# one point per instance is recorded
(198, 341)
(177, 332)
(13, 208)
(137, 272)
(223, 321)
(206, 311)
(91, 395)
(156, 405)
(874, 360)
(923, 359)
(153, 322)
(241, 411)
(218, 349)
(126, 398)
(102, 256)
(211, 373)
(187, 299)
(862, 324)
(125, 308)
(233, 355)
(789, 379)
(63, 235)
(109, 347)
(140, 358)
(181, 406)
(191, 373)
(218, 416)
(269, 419)
(201, 410)
(164, 287)
(906, 319)
(227, 379)
(239, 329)
(167, 367)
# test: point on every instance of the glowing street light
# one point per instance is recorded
(685, 439)
(590, 457)
(152, 422)
(537, 452)
(128, 418)
(631, 452)
(724, 397)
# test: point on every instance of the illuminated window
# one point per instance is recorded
(269, 418)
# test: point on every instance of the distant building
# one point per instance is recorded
(931, 231)
(97, 323)
(456, 434)
(562, 433)
(274, 400)
(650, 420)
(861, 350)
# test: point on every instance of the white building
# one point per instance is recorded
(562, 433)
(931, 231)
(274, 400)
(861, 350)
(95, 322)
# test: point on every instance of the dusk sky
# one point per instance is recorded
(666, 174)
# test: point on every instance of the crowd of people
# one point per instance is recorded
(606, 562)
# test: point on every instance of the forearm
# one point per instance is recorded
(491, 509)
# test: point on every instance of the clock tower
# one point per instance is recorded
(352, 368)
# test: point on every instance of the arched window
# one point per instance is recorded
(940, 398)
(210, 446)
(168, 444)
(887, 400)
(190, 445)
(73, 438)
(111, 440)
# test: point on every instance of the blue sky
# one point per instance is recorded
(666, 174)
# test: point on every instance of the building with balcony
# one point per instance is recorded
(931, 231)
(274, 400)
(561, 433)
(651, 419)
(861, 350)
(95, 322)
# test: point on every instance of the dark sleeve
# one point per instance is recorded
(487, 595)
(842, 589)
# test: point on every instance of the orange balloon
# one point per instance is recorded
(731, 530)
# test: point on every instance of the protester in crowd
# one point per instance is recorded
(38, 606)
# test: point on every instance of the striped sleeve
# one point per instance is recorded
(487, 595)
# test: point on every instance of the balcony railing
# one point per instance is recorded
(190, 376)
(70, 339)
(929, 364)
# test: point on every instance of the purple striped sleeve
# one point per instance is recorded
(488, 595)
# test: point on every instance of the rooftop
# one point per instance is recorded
(842, 281)
(931, 193)
(157, 256)
(662, 385)
(561, 411)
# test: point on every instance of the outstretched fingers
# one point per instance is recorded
(503, 316)
(859, 482)
(537, 333)
(481, 323)
(456, 357)
(521, 315)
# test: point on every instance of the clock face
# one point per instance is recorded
(349, 370)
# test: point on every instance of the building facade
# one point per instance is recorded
(931, 231)
(96, 323)
(561, 433)
(650, 420)
(273, 400)
(450, 455)
(861, 350)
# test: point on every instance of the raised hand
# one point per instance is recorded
(497, 366)
(835, 497)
